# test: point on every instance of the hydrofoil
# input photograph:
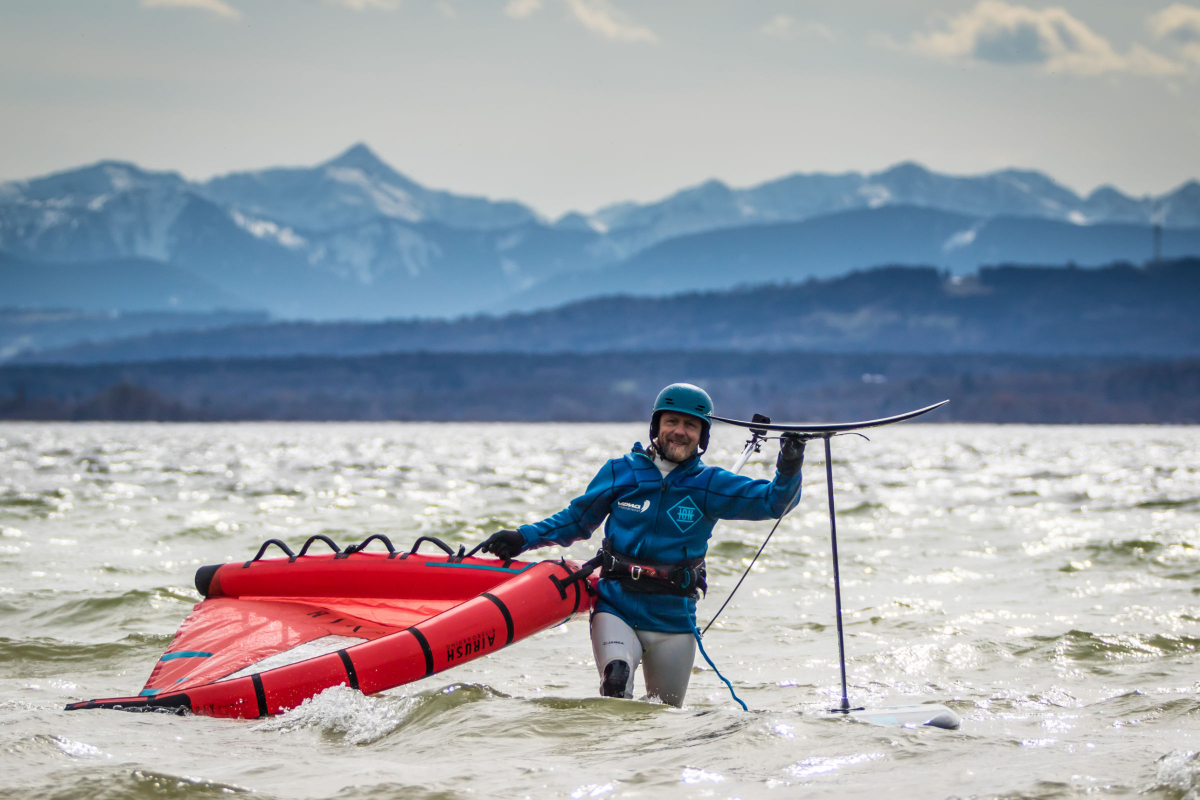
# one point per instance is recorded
(932, 715)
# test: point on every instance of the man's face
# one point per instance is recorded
(678, 436)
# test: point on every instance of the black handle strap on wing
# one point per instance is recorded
(264, 547)
(361, 546)
(581, 574)
(339, 553)
(317, 538)
(473, 550)
(445, 548)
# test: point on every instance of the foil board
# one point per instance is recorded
(932, 715)
(818, 428)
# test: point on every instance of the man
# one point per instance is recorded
(661, 504)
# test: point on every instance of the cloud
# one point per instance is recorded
(1178, 24)
(997, 32)
(519, 9)
(218, 7)
(604, 19)
(363, 5)
(818, 29)
(780, 25)
(783, 26)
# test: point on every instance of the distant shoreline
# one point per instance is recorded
(608, 387)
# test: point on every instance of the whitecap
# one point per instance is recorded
(343, 711)
(820, 765)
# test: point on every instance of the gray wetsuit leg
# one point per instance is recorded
(667, 661)
(667, 657)
(613, 640)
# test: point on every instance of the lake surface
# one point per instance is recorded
(1042, 581)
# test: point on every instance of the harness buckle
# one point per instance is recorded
(635, 571)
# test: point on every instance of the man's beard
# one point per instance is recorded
(675, 453)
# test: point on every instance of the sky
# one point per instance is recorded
(576, 104)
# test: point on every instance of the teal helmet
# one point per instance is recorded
(683, 398)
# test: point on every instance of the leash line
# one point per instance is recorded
(700, 644)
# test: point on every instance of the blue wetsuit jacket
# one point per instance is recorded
(660, 519)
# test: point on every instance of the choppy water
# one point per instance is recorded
(1042, 581)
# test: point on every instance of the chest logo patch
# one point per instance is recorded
(684, 514)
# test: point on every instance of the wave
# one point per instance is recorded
(396, 791)
(1170, 549)
(28, 504)
(863, 508)
(1163, 503)
(347, 715)
(1094, 649)
(1177, 776)
(110, 610)
(1139, 708)
(125, 784)
(1135, 549)
(46, 657)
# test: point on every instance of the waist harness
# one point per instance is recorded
(684, 578)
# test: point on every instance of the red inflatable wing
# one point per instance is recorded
(274, 632)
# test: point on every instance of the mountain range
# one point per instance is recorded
(354, 238)
(798, 197)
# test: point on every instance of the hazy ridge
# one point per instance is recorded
(1117, 310)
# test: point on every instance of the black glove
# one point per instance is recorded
(791, 453)
(504, 544)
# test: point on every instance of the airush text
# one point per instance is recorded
(471, 645)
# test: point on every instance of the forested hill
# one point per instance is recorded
(1116, 310)
(610, 387)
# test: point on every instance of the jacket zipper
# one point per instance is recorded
(662, 496)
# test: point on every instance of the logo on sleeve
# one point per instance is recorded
(684, 514)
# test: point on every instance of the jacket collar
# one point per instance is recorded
(692, 465)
